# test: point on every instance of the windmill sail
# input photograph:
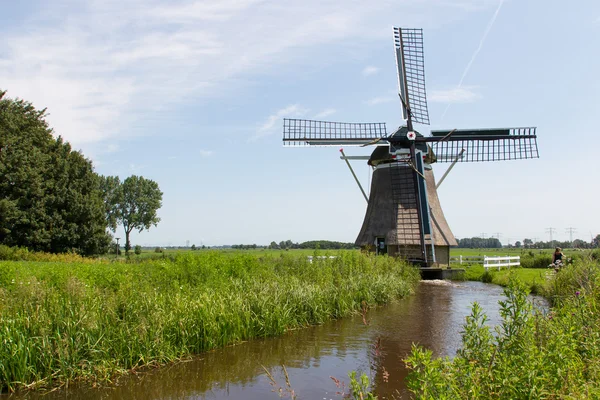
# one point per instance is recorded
(484, 144)
(304, 132)
(411, 73)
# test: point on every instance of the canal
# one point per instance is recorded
(433, 318)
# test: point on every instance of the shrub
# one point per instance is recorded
(474, 272)
(531, 260)
(137, 249)
(23, 254)
(487, 277)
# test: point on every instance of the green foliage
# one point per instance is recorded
(473, 272)
(535, 279)
(531, 355)
(478, 243)
(133, 203)
(311, 244)
(137, 249)
(23, 254)
(110, 187)
(49, 197)
(89, 321)
(158, 250)
(359, 388)
(487, 276)
(536, 260)
(326, 245)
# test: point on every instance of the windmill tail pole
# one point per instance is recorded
(450, 168)
(354, 175)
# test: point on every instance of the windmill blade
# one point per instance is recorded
(304, 132)
(411, 73)
(483, 144)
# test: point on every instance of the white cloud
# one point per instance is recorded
(370, 70)
(205, 153)
(325, 113)
(112, 148)
(379, 100)
(135, 168)
(464, 94)
(269, 126)
(103, 66)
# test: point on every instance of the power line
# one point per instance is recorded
(550, 231)
(483, 235)
(570, 231)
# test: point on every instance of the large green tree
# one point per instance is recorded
(133, 203)
(110, 186)
(49, 195)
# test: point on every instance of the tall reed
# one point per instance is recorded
(61, 322)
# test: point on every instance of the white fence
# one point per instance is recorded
(498, 262)
(488, 262)
(467, 260)
(310, 258)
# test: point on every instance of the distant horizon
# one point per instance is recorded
(328, 240)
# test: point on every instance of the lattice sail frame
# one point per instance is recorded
(304, 132)
(410, 62)
(514, 144)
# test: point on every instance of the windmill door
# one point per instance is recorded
(381, 247)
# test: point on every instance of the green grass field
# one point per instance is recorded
(533, 278)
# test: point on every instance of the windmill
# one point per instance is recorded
(404, 216)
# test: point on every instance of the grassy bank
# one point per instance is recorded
(534, 271)
(532, 354)
(533, 278)
(61, 321)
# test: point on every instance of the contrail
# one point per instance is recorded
(485, 33)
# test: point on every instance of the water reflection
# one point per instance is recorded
(433, 318)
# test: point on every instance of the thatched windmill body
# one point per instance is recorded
(404, 216)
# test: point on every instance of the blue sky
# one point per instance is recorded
(192, 95)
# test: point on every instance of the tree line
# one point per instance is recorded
(312, 244)
(577, 244)
(494, 243)
(52, 200)
(288, 244)
(479, 243)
